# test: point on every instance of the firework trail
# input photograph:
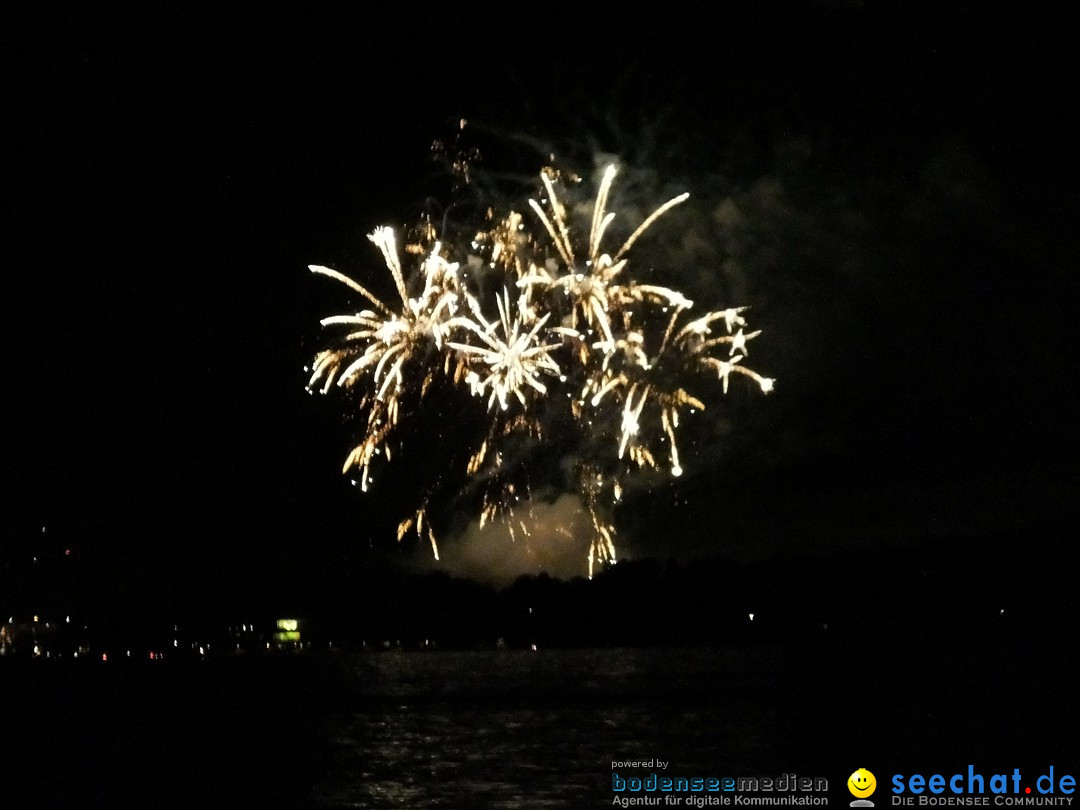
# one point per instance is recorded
(553, 342)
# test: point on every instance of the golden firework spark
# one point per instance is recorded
(568, 337)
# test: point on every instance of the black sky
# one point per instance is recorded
(892, 189)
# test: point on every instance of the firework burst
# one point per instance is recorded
(568, 351)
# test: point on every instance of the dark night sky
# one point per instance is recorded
(893, 191)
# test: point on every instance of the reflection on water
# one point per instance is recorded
(540, 730)
(516, 729)
(537, 730)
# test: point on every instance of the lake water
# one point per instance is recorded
(511, 729)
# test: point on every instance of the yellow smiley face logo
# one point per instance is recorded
(861, 783)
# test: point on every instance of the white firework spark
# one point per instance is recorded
(509, 362)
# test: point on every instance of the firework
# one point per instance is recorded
(564, 349)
